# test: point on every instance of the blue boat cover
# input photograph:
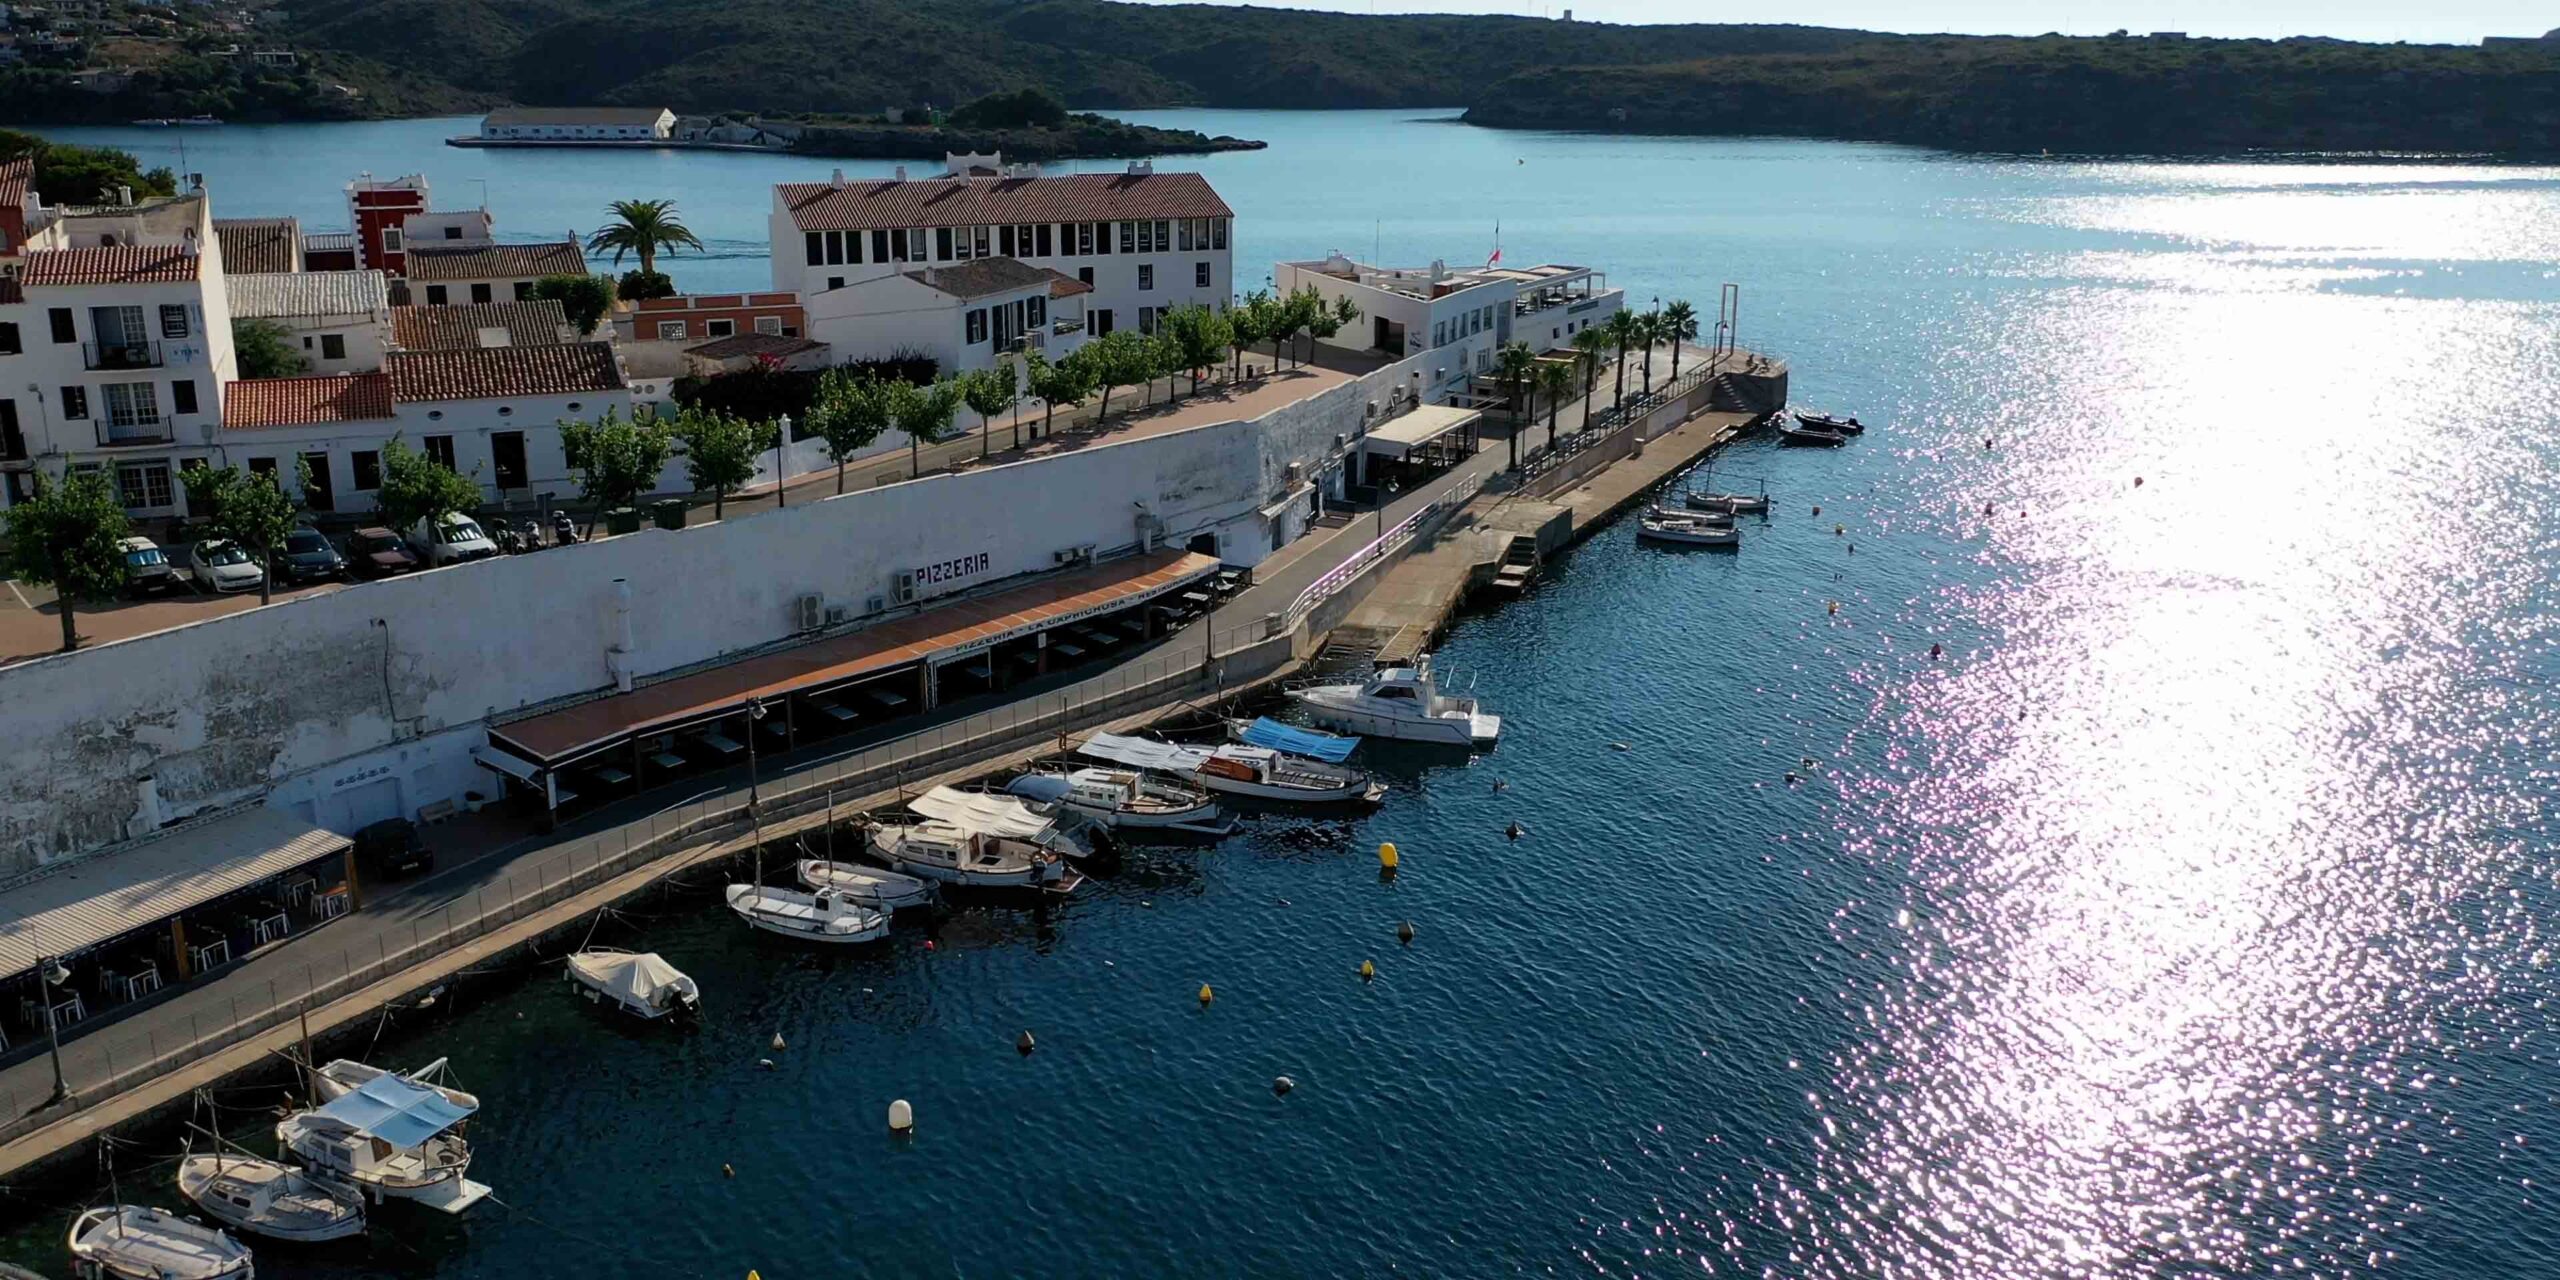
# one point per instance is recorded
(1042, 787)
(1267, 732)
(397, 1110)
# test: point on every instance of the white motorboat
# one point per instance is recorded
(1127, 800)
(812, 917)
(1830, 422)
(1237, 769)
(641, 983)
(1686, 531)
(1404, 703)
(869, 886)
(130, 1242)
(953, 854)
(392, 1136)
(1747, 504)
(341, 1076)
(267, 1199)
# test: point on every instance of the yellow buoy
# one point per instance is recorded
(751, 1274)
(1387, 855)
(1368, 970)
(1206, 995)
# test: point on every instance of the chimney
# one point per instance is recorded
(617, 656)
(837, 180)
(902, 173)
(124, 195)
(146, 816)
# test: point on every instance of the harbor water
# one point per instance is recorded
(2098, 825)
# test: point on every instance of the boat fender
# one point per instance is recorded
(2137, 482)
(1206, 995)
(902, 1118)
(1515, 830)
(1387, 856)
(1404, 933)
(766, 1063)
(1817, 509)
(777, 1042)
(1368, 971)
(1024, 1045)
(1934, 651)
(728, 1171)
(1281, 1085)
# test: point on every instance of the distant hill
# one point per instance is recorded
(2104, 95)
(865, 55)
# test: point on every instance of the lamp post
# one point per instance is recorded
(755, 712)
(781, 489)
(51, 974)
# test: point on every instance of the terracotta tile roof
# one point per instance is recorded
(983, 278)
(259, 245)
(753, 344)
(110, 264)
(498, 262)
(1062, 285)
(295, 402)
(574, 115)
(528, 324)
(15, 177)
(492, 373)
(298, 294)
(976, 202)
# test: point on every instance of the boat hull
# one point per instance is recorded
(1360, 791)
(1734, 503)
(100, 1248)
(1825, 422)
(766, 910)
(885, 891)
(1448, 731)
(892, 851)
(1689, 535)
(197, 1174)
(1803, 436)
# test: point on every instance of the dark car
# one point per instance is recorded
(308, 557)
(391, 847)
(379, 553)
(147, 570)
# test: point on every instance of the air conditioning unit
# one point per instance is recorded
(810, 609)
(838, 614)
(904, 589)
(1084, 554)
(874, 604)
(1072, 555)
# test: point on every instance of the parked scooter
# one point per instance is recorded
(505, 537)
(564, 531)
(529, 533)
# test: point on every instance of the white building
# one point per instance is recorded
(578, 124)
(964, 315)
(1468, 314)
(338, 320)
(1145, 242)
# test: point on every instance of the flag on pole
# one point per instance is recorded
(1497, 243)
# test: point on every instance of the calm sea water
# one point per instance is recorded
(2186, 917)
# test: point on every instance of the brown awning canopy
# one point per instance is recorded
(945, 631)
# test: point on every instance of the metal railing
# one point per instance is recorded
(1359, 562)
(120, 355)
(1610, 421)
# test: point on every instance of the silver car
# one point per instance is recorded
(219, 565)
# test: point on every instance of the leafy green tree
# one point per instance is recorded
(265, 350)
(1623, 328)
(1022, 109)
(1116, 359)
(643, 227)
(1515, 364)
(70, 174)
(250, 509)
(1200, 336)
(1326, 321)
(851, 413)
(638, 285)
(720, 451)
(1164, 360)
(989, 392)
(64, 536)
(924, 413)
(1256, 320)
(1067, 382)
(616, 459)
(1555, 382)
(584, 298)
(1679, 325)
(416, 487)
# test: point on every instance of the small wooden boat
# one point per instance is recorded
(1815, 436)
(1825, 422)
(392, 1136)
(870, 886)
(1684, 532)
(1711, 519)
(954, 854)
(130, 1242)
(1746, 504)
(641, 983)
(1126, 800)
(810, 917)
(264, 1198)
(1243, 770)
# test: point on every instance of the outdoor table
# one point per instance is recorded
(1196, 597)
(1098, 636)
(333, 904)
(886, 697)
(983, 668)
(834, 709)
(211, 954)
(610, 776)
(1065, 650)
(667, 760)
(269, 928)
(1134, 626)
(299, 889)
(138, 982)
(721, 743)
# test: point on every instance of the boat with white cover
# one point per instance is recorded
(953, 854)
(1039, 823)
(1404, 703)
(1238, 769)
(1686, 530)
(870, 886)
(1126, 800)
(130, 1242)
(341, 1076)
(811, 917)
(640, 983)
(267, 1199)
(392, 1136)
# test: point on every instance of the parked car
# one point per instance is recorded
(147, 570)
(391, 847)
(219, 565)
(452, 538)
(308, 557)
(376, 552)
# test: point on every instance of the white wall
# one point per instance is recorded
(471, 423)
(362, 335)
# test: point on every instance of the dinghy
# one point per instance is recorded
(264, 1198)
(810, 917)
(1813, 436)
(1126, 800)
(870, 886)
(642, 984)
(1825, 422)
(130, 1242)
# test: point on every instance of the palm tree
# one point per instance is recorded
(1649, 330)
(1680, 324)
(643, 227)
(1589, 345)
(1515, 363)
(1555, 378)
(1623, 328)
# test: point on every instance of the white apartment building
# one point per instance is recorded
(1468, 314)
(1144, 242)
(115, 345)
(578, 124)
(337, 320)
(964, 316)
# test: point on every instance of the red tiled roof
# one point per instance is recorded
(753, 344)
(457, 328)
(976, 202)
(1062, 285)
(299, 402)
(258, 246)
(498, 262)
(15, 176)
(110, 264)
(491, 373)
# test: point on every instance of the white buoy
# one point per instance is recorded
(777, 1042)
(766, 1063)
(902, 1118)
(1281, 1086)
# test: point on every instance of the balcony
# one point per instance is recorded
(13, 445)
(127, 435)
(1062, 328)
(120, 355)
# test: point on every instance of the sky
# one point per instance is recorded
(2439, 22)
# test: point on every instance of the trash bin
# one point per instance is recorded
(622, 520)
(669, 513)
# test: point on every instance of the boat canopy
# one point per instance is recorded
(644, 979)
(396, 1109)
(1041, 788)
(1005, 817)
(1267, 732)
(1145, 753)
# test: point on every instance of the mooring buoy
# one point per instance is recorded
(1206, 995)
(1368, 971)
(1404, 933)
(1387, 856)
(1024, 1045)
(902, 1118)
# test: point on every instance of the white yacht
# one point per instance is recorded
(1127, 800)
(130, 1242)
(1239, 769)
(1404, 703)
(643, 984)
(267, 1199)
(392, 1136)
(825, 916)
(953, 854)
(870, 886)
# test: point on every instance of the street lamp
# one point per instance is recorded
(781, 491)
(755, 712)
(50, 972)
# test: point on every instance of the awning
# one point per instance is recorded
(938, 634)
(1145, 753)
(397, 1110)
(1267, 732)
(93, 901)
(492, 758)
(1399, 437)
(1288, 500)
(1002, 816)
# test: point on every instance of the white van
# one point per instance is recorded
(452, 538)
